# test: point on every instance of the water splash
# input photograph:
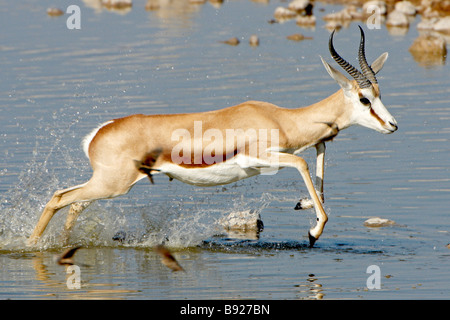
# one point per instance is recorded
(46, 171)
(184, 220)
(182, 223)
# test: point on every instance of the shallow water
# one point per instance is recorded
(58, 84)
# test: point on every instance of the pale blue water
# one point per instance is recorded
(57, 84)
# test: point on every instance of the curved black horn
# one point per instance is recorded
(362, 81)
(365, 68)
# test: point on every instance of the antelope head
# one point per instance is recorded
(363, 93)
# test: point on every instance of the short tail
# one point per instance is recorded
(146, 164)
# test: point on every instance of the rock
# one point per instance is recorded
(282, 13)
(117, 4)
(298, 37)
(429, 44)
(301, 6)
(434, 8)
(369, 5)
(54, 12)
(429, 50)
(349, 13)
(442, 25)
(232, 41)
(344, 14)
(435, 24)
(427, 23)
(406, 7)
(378, 222)
(333, 25)
(397, 19)
(243, 220)
(253, 40)
(306, 21)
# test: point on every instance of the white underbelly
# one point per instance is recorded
(238, 168)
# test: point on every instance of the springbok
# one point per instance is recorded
(126, 150)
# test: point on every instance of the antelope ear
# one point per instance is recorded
(379, 62)
(337, 76)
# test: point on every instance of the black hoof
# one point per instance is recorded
(298, 206)
(312, 240)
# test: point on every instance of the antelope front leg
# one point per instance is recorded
(289, 160)
(320, 170)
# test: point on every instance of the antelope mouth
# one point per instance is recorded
(392, 128)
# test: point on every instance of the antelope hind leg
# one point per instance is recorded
(75, 209)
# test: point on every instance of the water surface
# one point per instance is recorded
(58, 84)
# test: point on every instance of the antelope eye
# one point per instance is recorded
(365, 101)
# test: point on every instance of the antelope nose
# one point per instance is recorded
(393, 124)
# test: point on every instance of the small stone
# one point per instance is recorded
(429, 44)
(406, 7)
(442, 25)
(253, 40)
(333, 25)
(54, 12)
(429, 50)
(243, 220)
(282, 13)
(397, 19)
(380, 5)
(298, 37)
(117, 4)
(427, 23)
(378, 222)
(300, 6)
(306, 21)
(342, 15)
(232, 41)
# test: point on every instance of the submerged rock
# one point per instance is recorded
(117, 4)
(378, 222)
(406, 7)
(397, 19)
(429, 50)
(242, 220)
(429, 44)
(301, 6)
(232, 41)
(245, 224)
(298, 37)
(282, 13)
(349, 13)
(442, 25)
(306, 21)
(437, 24)
(54, 12)
(253, 40)
(380, 5)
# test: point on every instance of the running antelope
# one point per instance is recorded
(126, 150)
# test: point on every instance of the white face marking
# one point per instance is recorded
(370, 112)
